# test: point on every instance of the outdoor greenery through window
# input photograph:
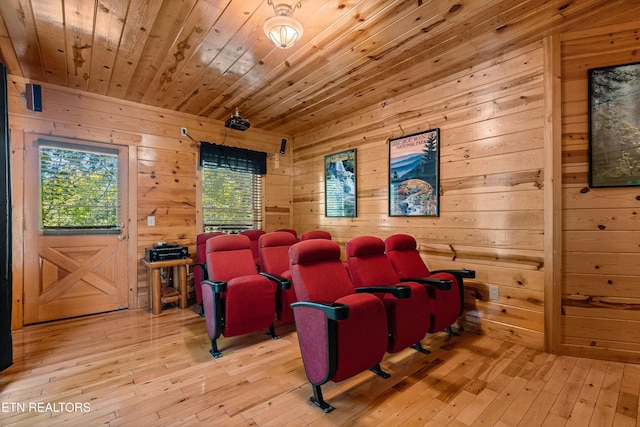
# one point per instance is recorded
(78, 187)
(231, 200)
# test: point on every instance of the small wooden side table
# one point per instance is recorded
(155, 288)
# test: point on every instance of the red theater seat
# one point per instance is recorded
(274, 255)
(408, 318)
(254, 236)
(447, 301)
(289, 230)
(315, 234)
(236, 299)
(200, 266)
(341, 332)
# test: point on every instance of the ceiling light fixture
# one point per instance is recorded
(282, 29)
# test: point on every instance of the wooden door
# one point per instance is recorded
(77, 271)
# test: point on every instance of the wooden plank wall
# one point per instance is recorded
(163, 166)
(601, 238)
(492, 202)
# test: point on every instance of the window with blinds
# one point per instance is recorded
(231, 200)
(78, 188)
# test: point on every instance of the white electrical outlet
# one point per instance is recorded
(494, 293)
(151, 221)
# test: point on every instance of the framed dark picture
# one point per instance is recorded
(414, 168)
(614, 119)
(340, 184)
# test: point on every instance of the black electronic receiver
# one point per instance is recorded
(165, 252)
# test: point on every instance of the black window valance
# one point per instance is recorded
(233, 158)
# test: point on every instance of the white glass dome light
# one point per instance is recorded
(283, 30)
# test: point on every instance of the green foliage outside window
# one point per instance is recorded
(78, 189)
(230, 200)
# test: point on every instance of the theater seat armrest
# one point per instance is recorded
(442, 284)
(281, 281)
(333, 310)
(218, 287)
(467, 274)
(203, 266)
(399, 291)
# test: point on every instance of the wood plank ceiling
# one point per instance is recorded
(209, 57)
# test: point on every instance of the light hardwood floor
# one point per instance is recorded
(131, 368)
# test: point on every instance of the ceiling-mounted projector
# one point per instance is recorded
(236, 122)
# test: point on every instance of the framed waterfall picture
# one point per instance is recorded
(614, 126)
(414, 167)
(340, 184)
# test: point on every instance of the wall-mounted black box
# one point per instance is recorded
(34, 97)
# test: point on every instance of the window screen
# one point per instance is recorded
(78, 187)
(231, 200)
